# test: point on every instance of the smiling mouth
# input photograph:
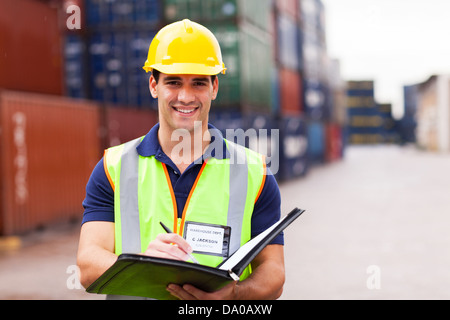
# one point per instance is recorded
(185, 111)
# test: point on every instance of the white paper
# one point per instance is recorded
(246, 248)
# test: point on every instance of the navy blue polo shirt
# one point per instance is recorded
(99, 202)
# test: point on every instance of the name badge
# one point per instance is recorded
(208, 239)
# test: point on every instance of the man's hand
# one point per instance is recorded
(188, 292)
(169, 246)
(266, 281)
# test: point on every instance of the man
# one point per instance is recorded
(183, 173)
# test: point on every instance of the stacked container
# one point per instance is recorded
(365, 123)
(408, 123)
(337, 122)
(104, 63)
(104, 60)
(30, 47)
(433, 114)
(48, 148)
(289, 64)
(243, 29)
(389, 128)
(277, 78)
(315, 60)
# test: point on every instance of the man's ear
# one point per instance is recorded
(215, 88)
(152, 86)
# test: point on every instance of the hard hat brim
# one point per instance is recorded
(186, 68)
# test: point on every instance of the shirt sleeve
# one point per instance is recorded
(99, 201)
(267, 210)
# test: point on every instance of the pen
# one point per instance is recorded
(170, 231)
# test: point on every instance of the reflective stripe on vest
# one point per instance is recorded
(242, 188)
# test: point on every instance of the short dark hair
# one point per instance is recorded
(156, 74)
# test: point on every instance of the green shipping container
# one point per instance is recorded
(255, 12)
(247, 55)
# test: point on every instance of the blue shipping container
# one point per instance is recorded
(74, 66)
(116, 13)
(293, 148)
(116, 60)
(318, 101)
(316, 142)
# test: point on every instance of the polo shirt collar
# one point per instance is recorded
(150, 146)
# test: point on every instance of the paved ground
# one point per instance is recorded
(384, 207)
(376, 227)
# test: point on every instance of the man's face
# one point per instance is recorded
(183, 99)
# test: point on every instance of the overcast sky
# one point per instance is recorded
(394, 42)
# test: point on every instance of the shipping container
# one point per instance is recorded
(122, 124)
(49, 146)
(231, 119)
(115, 64)
(289, 7)
(263, 135)
(293, 147)
(408, 123)
(316, 142)
(317, 100)
(254, 12)
(248, 81)
(129, 14)
(334, 142)
(75, 68)
(312, 16)
(365, 123)
(289, 42)
(291, 92)
(30, 47)
(433, 116)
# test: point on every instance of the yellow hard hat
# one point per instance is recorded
(185, 47)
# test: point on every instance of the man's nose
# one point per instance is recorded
(186, 95)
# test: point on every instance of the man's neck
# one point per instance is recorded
(183, 146)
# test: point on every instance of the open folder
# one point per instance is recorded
(145, 276)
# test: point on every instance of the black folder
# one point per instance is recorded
(144, 276)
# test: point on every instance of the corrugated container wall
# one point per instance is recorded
(365, 122)
(49, 145)
(291, 92)
(334, 142)
(293, 147)
(289, 7)
(76, 71)
(316, 142)
(315, 61)
(289, 39)
(247, 53)
(254, 12)
(112, 51)
(408, 122)
(30, 47)
(122, 124)
(106, 14)
(433, 118)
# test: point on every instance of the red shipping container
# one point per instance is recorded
(48, 148)
(30, 47)
(334, 143)
(125, 124)
(291, 92)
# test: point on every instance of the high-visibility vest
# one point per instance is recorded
(224, 193)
